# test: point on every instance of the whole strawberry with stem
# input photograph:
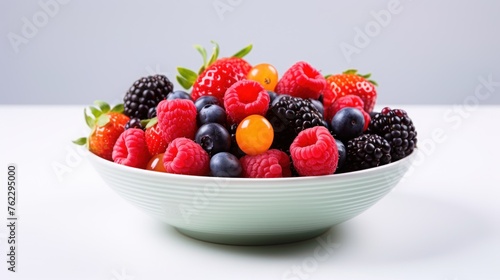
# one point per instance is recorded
(106, 124)
(216, 75)
(350, 83)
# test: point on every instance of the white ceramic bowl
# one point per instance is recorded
(248, 211)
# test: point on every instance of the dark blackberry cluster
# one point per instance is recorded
(289, 116)
(366, 151)
(145, 94)
(397, 128)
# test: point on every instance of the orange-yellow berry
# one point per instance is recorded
(156, 163)
(265, 74)
(254, 135)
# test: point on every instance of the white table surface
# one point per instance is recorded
(441, 222)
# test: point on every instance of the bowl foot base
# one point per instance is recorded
(252, 240)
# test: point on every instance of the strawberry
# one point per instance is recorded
(350, 82)
(106, 126)
(154, 140)
(216, 74)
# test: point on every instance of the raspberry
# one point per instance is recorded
(184, 156)
(270, 164)
(245, 98)
(130, 149)
(301, 80)
(314, 152)
(352, 101)
(176, 118)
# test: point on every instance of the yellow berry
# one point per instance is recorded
(254, 135)
(265, 74)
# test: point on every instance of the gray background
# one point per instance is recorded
(430, 52)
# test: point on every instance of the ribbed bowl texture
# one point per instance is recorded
(248, 211)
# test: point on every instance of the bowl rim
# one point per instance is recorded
(197, 178)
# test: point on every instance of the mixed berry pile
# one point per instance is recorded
(240, 120)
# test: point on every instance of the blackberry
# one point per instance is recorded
(289, 116)
(397, 128)
(134, 123)
(366, 151)
(145, 94)
(152, 112)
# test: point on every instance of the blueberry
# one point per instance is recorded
(211, 113)
(213, 138)
(342, 153)
(225, 164)
(204, 100)
(178, 94)
(272, 96)
(318, 105)
(348, 123)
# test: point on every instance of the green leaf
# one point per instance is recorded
(118, 108)
(202, 68)
(203, 53)
(102, 105)
(326, 77)
(373, 82)
(183, 82)
(90, 121)
(80, 141)
(350, 71)
(103, 120)
(145, 122)
(243, 51)
(215, 53)
(152, 122)
(95, 112)
(187, 74)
